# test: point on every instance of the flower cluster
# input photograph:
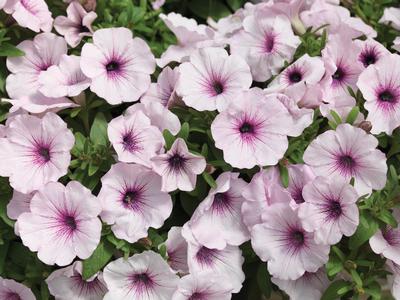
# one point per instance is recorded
(240, 144)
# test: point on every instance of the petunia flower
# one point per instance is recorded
(264, 190)
(13, 290)
(289, 249)
(329, 210)
(132, 201)
(380, 86)
(370, 52)
(348, 152)
(310, 286)
(66, 79)
(342, 105)
(391, 16)
(178, 167)
(22, 84)
(299, 176)
(19, 204)
(226, 263)
(253, 131)
(221, 210)
(202, 286)
(396, 44)
(119, 65)
(134, 138)
(32, 14)
(394, 279)
(62, 223)
(36, 151)
(68, 283)
(265, 42)
(76, 25)
(177, 250)
(144, 276)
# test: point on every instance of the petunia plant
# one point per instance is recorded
(199, 150)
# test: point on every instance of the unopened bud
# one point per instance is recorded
(366, 126)
(210, 169)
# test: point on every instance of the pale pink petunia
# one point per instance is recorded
(178, 167)
(264, 190)
(68, 283)
(299, 176)
(391, 16)
(177, 250)
(134, 138)
(348, 152)
(190, 36)
(396, 44)
(299, 77)
(329, 210)
(310, 286)
(342, 66)
(221, 210)
(282, 241)
(266, 42)
(370, 52)
(76, 25)
(19, 204)
(66, 79)
(118, 64)
(144, 276)
(62, 223)
(203, 286)
(164, 90)
(380, 86)
(157, 4)
(394, 279)
(12, 290)
(32, 14)
(226, 263)
(36, 151)
(341, 105)
(253, 131)
(3, 3)
(212, 79)
(159, 115)
(132, 201)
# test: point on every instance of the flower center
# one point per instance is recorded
(391, 236)
(369, 58)
(141, 282)
(298, 196)
(176, 161)
(44, 153)
(222, 202)
(246, 128)
(386, 96)
(298, 238)
(218, 87)
(12, 296)
(269, 43)
(130, 142)
(144, 278)
(205, 256)
(347, 162)
(82, 28)
(335, 209)
(112, 66)
(295, 77)
(70, 222)
(129, 197)
(338, 75)
(196, 296)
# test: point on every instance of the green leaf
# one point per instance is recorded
(334, 266)
(209, 179)
(284, 175)
(336, 117)
(331, 293)
(209, 8)
(367, 228)
(264, 280)
(3, 255)
(93, 168)
(184, 132)
(9, 50)
(97, 260)
(235, 4)
(98, 132)
(356, 277)
(352, 116)
(169, 138)
(387, 217)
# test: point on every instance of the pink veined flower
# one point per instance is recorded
(212, 79)
(12, 290)
(348, 152)
(310, 286)
(119, 65)
(265, 42)
(300, 76)
(144, 276)
(380, 86)
(22, 84)
(132, 201)
(391, 15)
(160, 116)
(156, 4)
(370, 52)
(394, 280)
(264, 190)
(164, 90)
(66, 79)
(177, 250)
(289, 249)
(178, 167)
(226, 263)
(253, 131)
(396, 44)
(134, 138)
(62, 223)
(329, 210)
(221, 210)
(67, 284)
(35, 151)
(19, 204)
(32, 14)
(203, 286)
(190, 36)
(3, 3)
(342, 105)
(76, 25)
(342, 66)
(299, 176)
